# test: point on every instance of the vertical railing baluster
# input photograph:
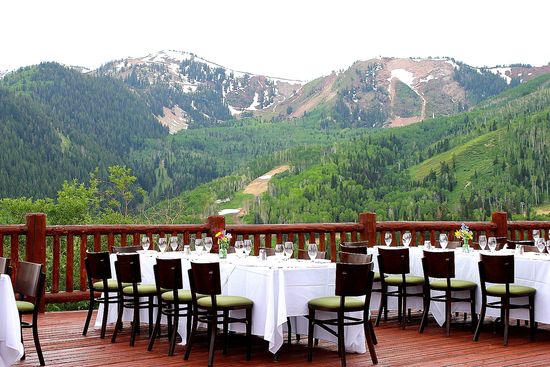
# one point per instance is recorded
(69, 280)
(56, 263)
(83, 248)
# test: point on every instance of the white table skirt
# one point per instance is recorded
(11, 348)
(278, 290)
(530, 270)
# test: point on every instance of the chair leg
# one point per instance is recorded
(153, 335)
(311, 319)
(36, 340)
(174, 333)
(21, 329)
(404, 296)
(473, 308)
(371, 340)
(189, 318)
(341, 341)
(118, 324)
(289, 329)
(150, 308)
(448, 313)
(89, 315)
(372, 333)
(383, 306)
(424, 320)
(532, 323)
(136, 323)
(248, 333)
(481, 317)
(399, 306)
(225, 330)
(191, 337)
(213, 331)
(506, 319)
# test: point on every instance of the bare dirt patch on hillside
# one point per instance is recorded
(326, 94)
(260, 184)
(174, 119)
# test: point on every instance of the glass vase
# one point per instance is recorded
(465, 246)
(222, 251)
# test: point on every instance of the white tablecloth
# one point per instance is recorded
(278, 290)
(529, 269)
(11, 348)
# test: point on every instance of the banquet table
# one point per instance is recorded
(279, 289)
(11, 348)
(530, 269)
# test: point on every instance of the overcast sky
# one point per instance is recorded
(297, 39)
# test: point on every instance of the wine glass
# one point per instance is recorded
(174, 243)
(289, 249)
(536, 234)
(312, 251)
(198, 246)
(208, 244)
(427, 244)
(247, 247)
(492, 242)
(387, 238)
(162, 244)
(145, 243)
(540, 244)
(548, 247)
(482, 241)
(407, 237)
(443, 240)
(239, 248)
(279, 251)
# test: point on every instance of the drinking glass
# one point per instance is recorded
(387, 238)
(312, 251)
(427, 244)
(407, 237)
(482, 241)
(536, 234)
(443, 240)
(540, 244)
(198, 246)
(247, 246)
(548, 247)
(492, 242)
(239, 248)
(279, 251)
(208, 244)
(162, 244)
(174, 243)
(145, 243)
(289, 249)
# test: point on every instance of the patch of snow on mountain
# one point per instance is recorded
(234, 112)
(405, 76)
(502, 73)
(254, 105)
(453, 64)
(426, 79)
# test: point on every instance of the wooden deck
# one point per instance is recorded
(64, 345)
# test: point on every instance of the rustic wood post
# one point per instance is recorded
(368, 220)
(501, 221)
(35, 246)
(215, 223)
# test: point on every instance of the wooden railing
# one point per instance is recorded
(62, 249)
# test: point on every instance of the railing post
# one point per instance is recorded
(501, 221)
(35, 246)
(368, 220)
(215, 223)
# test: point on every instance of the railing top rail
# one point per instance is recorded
(433, 225)
(293, 228)
(126, 228)
(531, 224)
(13, 229)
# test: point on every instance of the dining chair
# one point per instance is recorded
(303, 255)
(352, 294)
(441, 265)
(353, 249)
(128, 270)
(126, 249)
(174, 301)
(204, 279)
(29, 285)
(499, 270)
(394, 267)
(98, 272)
(5, 267)
(356, 243)
(353, 258)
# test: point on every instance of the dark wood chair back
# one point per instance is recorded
(352, 258)
(512, 243)
(354, 279)
(128, 268)
(356, 243)
(98, 265)
(303, 255)
(206, 278)
(353, 249)
(5, 265)
(168, 274)
(29, 281)
(126, 249)
(439, 264)
(393, 260)
(496, 268)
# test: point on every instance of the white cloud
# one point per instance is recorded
(294, 39)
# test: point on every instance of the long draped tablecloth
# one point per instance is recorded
(279, 289)
(11, 348)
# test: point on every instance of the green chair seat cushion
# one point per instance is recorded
(142, 289)
(377, 277)
(409, 280)
(184, 296)
(224, 301)
(499, 290)
(112, 285)
(456, 284)
(24, 307)
(333, 303)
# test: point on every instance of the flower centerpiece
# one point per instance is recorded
(465, 234)
(223, 243)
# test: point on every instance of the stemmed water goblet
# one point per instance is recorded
(387, 238)
(198, 246)
(208, 244)
(312, 251)
(492, 242)
(145, 243)
(174, 243)
(548, 247)
(289, 249)
(279, 251)
(239, 248)
(407, 237)
(482, 242)
(443, 240)
(536, 234)
(162, 243)
(247, 247)
(539, 242)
